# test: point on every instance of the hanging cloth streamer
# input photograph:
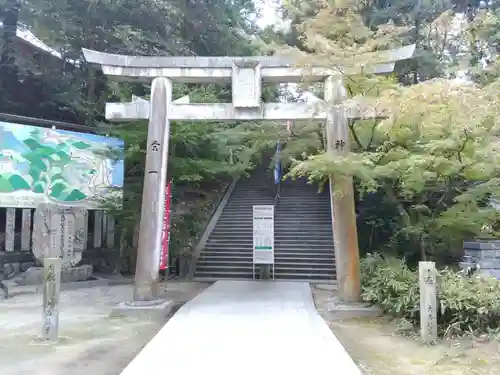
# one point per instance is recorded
(277, 166)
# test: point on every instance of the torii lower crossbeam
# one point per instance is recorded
(139, 110)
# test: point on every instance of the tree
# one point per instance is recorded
(432, 163)
(202, 155)
(434, 159)
(8, 69)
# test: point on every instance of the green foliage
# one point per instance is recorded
(432, 164)
(391, 285)
(203, 155)
(433, 159)
(466, 304)
(200, 154)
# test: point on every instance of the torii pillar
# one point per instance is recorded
(246, 75)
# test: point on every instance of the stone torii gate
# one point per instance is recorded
(246, 75)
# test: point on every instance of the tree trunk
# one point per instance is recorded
(423, 252)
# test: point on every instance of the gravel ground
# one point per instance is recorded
(378, 350)
(91, 342)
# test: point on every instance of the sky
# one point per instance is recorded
(268, 14)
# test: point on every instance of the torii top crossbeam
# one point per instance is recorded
(220, 69)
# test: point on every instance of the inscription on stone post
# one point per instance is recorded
(54, 234)
(81, 228)
(26, 230)
(246, 84)
(110, 232)
(98, 215)
(51, 292)
(428, 302)
(10, 229)
(67, 245)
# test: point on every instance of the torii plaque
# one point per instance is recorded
(246, 74)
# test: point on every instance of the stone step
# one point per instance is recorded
(306, 277)
(282, 229)
(292, 228)
(248, 213)
(282, 234)
(241, 268)
(279, 264)
(291, 223)
(247, 218)
(234, 254)
(249, 198)
(286, 249)
(208, 262)
(282, 240)
(280, 258)
(281, 206)
(306, 210)
(279, 232)
(327, 253)
(301, 248)
(299, 197)
(224, 274)
(224, 257)
(303, 216)
(322, 254)
(304, 267)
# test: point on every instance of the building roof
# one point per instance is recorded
(28, 37)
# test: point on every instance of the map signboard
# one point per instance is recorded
(39, 165)
(263, 234)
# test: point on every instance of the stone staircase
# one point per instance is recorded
(303, 236)
(303, 232)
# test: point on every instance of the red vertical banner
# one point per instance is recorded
(166, 228)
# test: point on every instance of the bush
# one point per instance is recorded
(467, 304)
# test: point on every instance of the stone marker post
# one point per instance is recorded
(26, 230)
(10, 229)
(51, 291)
(54, 239)
(428, 301)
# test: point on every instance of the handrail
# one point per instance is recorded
(214, 218)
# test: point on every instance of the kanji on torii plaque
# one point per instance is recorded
(246, 74)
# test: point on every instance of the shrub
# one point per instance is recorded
(391, 285)
(467, 304)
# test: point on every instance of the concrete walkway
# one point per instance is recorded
(246, 327)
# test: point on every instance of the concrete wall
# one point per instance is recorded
(103, 254)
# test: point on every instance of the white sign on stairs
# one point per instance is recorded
(263, 234)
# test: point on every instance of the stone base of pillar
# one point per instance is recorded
(339, 310)
(156, 309)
